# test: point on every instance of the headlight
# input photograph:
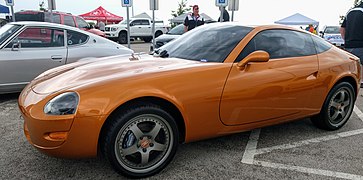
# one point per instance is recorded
(114, 29)
(63, 104)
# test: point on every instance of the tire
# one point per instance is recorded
(147, 39)
(158, 33)
(337, 108)
(147, 134)
(122, 38)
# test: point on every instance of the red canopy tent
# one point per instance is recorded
(101, 14)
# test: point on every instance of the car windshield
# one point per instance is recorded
(6, 31)
(177, 30)
(207, 43)
(123, 22)
(332, 30)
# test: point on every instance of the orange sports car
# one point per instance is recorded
(215, 80)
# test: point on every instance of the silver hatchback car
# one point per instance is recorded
(29, 48)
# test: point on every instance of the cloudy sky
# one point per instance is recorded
(251, 12)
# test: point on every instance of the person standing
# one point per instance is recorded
(225, 15)
(101, 26)
(193, 20)
(352, 32)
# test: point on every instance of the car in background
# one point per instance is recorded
(167, 37)
(219, 79)
(58, 18)
(139, 28)
(29, 48)
(332, 35)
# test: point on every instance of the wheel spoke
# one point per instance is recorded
(346, 103)
(158, 147)
(335, 104)
(342, 96)
(335, 115)
(343, 113)
(145, 158)
(137, 132)
(130, 150)
(155, 131)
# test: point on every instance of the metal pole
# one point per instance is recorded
(132, 11)
(153, 28)
(233, 8)
(221, 17)
(128, 27)
(12, 13)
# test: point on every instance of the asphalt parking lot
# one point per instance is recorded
(295, 150)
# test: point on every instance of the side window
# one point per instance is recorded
(39, 38)
(81, 23)
(280, 44)
(56, 18)
(76, 38)
(136, 23)
(321, 44)
(68, 20)
(145, 22)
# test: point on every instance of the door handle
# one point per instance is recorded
(139, 27)
(57, 58)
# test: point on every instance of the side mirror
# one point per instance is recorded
(131, 24)
(321, 33)
(257, 56)
(16, 46)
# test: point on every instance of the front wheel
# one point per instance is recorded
(337, 107)
(141, 141)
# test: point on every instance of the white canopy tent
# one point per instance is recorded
(297, 19)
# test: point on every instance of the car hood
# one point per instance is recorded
(103, 70)
(166, 37)
(115, 25)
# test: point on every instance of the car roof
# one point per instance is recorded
(257, 27)
(47, 24)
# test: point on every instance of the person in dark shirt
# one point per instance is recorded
(193, 20)
(352, 32)
(225, 15)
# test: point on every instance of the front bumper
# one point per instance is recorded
(68, 136)
(110, 34)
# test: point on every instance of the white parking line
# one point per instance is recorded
(251, 150)
(251, 147)
(309, 141)
(308, 170)
(358, 112)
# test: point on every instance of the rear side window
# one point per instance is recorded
(68, 20)
(145, 22)
(81, 23)
(76, 38)
(280, 44)
(321, 45)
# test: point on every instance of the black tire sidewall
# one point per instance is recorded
(122, 36)
(325, 110)
(120, 121)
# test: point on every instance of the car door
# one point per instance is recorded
(33, 51)
(275, 89)
(135, 28)
(146, 27)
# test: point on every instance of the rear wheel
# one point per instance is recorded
(337, 107)
(141, 141)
